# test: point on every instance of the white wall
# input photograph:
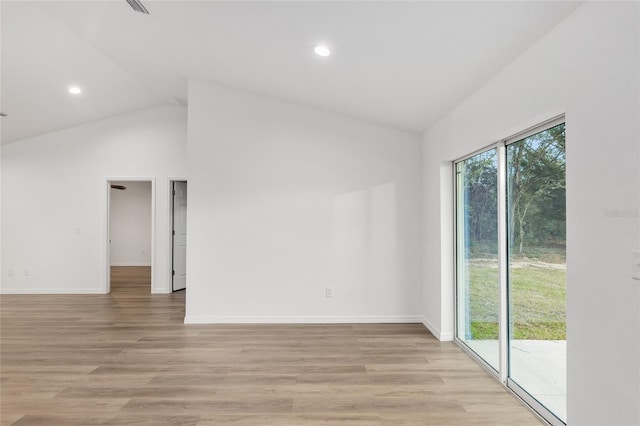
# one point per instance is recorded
(285, 201)
(588, 68)
(130, 224)
(54, 198)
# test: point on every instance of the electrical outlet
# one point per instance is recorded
(329, 292)
(635, 272)
(10, 273)
(26, 272)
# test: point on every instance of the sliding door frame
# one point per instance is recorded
(456, 274)
(502, 375)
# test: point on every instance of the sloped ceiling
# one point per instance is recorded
(403, 64)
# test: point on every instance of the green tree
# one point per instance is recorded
(480, 184)
(536, 188)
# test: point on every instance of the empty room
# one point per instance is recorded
(320, 213)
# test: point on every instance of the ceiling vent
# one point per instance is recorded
(138, 6)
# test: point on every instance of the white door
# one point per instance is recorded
(179, 235)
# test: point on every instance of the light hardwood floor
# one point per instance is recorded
(127, 358)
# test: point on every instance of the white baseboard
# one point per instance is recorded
(443, 337)
(301, 320)
(131, 264)
(52, 291)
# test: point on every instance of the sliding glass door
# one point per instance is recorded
(511, 264)
(538, 267)
(477, 252)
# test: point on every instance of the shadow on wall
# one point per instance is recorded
(365, 239)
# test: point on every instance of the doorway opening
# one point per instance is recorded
(178, 235)
(130, 231)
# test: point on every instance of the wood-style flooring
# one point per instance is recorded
(127, 359)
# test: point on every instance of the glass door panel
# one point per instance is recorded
(477, 288)
(537, 267)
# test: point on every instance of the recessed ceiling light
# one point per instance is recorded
(75, 90)
(322, 50)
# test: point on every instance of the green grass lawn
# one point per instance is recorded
(537, 301)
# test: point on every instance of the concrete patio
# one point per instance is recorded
(538, 366)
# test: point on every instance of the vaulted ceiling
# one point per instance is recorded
(404, 64)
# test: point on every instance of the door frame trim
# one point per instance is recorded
(106, 286)
(170, 182)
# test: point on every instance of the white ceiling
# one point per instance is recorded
(404, 64)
